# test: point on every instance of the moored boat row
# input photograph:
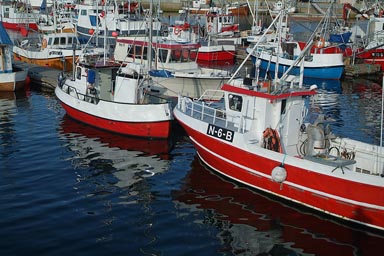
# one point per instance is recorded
(255, 130)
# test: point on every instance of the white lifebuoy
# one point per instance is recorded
(279, 174)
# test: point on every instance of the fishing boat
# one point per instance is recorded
(11, 78)
(221, 38)
(321, 60)
(370, 47)
(112, 19)
(174, 68)
(17, 15)
(115, 98)
(202, 7)
(264, 134)
(55, 50)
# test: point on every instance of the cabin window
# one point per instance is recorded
(113, 80)
(185, 55)
(70, 40)
(138, 51)
(78, 73)
(153, 54)
(83, 13)
(62, 40)
(175, 56)
(130, 51)
(193, 55)
(145, 49)
(56, 41)
(163, 55)
(235, 102)
(283, 104)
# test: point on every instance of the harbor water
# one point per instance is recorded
(69, 189)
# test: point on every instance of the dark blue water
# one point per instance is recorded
(68, 189)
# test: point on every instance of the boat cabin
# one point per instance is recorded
(165, 53)
(252, 108)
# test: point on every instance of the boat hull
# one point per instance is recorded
(131, 119)
(216, 53)
(53, 58)
(10, 82)
(333, 192)
(19, 26)
(375, 56)
(320, 71)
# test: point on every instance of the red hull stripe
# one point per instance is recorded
(150, 129)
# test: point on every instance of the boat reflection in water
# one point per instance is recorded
(254, 223)
(130, 160)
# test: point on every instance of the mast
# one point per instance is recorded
(149, 50)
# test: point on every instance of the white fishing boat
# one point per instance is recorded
(221, 38)
(18, 15)
(174, 68)
(115, 98)
(112, 19)
(55, 50)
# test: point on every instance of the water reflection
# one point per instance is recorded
(129, 160)
(360, 110)
(8, 137)
(250, 223)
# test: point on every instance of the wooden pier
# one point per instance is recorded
(361, 69)
(44, 77)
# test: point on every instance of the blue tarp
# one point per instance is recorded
(340, 38)
(91, 76)
(4, 37)
(160, 73)
(43, 6)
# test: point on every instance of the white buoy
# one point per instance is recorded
(279, 174)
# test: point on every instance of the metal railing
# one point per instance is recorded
(204, 110)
